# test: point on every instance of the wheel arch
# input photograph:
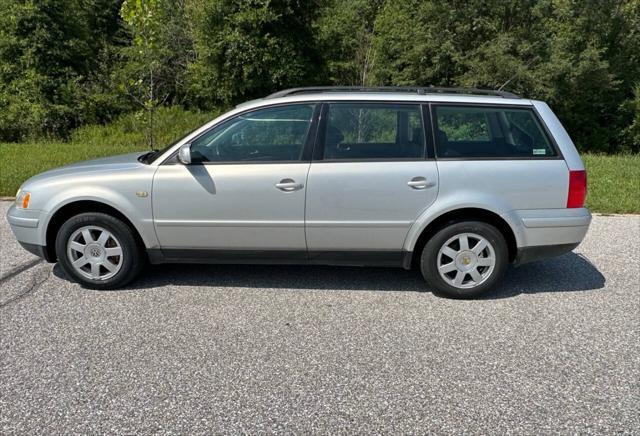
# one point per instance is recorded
(464, 214)
(73, 208)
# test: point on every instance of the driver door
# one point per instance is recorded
(245, 191)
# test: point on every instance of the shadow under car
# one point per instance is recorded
(567, 273)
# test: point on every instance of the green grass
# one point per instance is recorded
(614, 181)
(18, 162)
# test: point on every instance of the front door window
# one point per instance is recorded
(275, 134)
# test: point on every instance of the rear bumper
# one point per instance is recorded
(549, 227)
(531, 254)
(558, 221)
(544, 233)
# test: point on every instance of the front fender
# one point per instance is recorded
(137, 214)
(119, 193)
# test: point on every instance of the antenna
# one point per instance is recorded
(517, 72)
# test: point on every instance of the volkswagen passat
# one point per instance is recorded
(457, 183)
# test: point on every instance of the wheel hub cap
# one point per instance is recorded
(95, 252)
(466, 260)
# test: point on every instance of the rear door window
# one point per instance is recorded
(373, 131)
(486, 132)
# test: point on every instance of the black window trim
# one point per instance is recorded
(532, 109)
(313, 147)
(307, 147)
(430, 152)
(318, 150)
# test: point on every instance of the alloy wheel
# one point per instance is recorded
(95, 253)
(466, 260)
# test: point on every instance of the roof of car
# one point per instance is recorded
(392, 94)
(419, 90)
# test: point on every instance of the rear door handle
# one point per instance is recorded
(420, 183)
(289, 185)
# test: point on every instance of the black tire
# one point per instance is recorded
(429, 258)
(133, 259)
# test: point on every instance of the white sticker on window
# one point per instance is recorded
(538, 151)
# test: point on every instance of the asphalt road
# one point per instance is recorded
(228, 349)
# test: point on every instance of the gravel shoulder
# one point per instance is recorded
(228, 349)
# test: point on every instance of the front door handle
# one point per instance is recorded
(420, 183)
(289, 185)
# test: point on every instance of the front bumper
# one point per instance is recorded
(27, 226)
(38, 250)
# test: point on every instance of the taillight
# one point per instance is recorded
(577, 188)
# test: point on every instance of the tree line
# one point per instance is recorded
(65, 63)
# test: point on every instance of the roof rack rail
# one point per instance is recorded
(420, 90)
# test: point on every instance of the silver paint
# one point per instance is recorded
(319, 206)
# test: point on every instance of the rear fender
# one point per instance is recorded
(482, 201)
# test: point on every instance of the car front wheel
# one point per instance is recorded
(98, 251)
(465, 259)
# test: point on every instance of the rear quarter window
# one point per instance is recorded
(489, 132)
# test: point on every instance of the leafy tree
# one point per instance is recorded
(47, 56)
(580, 57)
(64, 63)
(632, 132)
(145, 73)
(345, 31)
(248, 48)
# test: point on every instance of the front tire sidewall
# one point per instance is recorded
(429, 259)
(132, 262)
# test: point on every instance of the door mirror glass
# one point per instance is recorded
(184, 154)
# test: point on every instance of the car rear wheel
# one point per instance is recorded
(98, 251)
(465, 259)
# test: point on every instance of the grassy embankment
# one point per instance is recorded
(18, 162)
(614, 181)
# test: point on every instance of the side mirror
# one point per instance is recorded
(184, 154)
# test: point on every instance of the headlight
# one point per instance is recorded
(22, 199)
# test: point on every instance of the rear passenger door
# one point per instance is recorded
(371, 177)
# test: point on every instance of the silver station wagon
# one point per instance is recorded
(456, 182)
